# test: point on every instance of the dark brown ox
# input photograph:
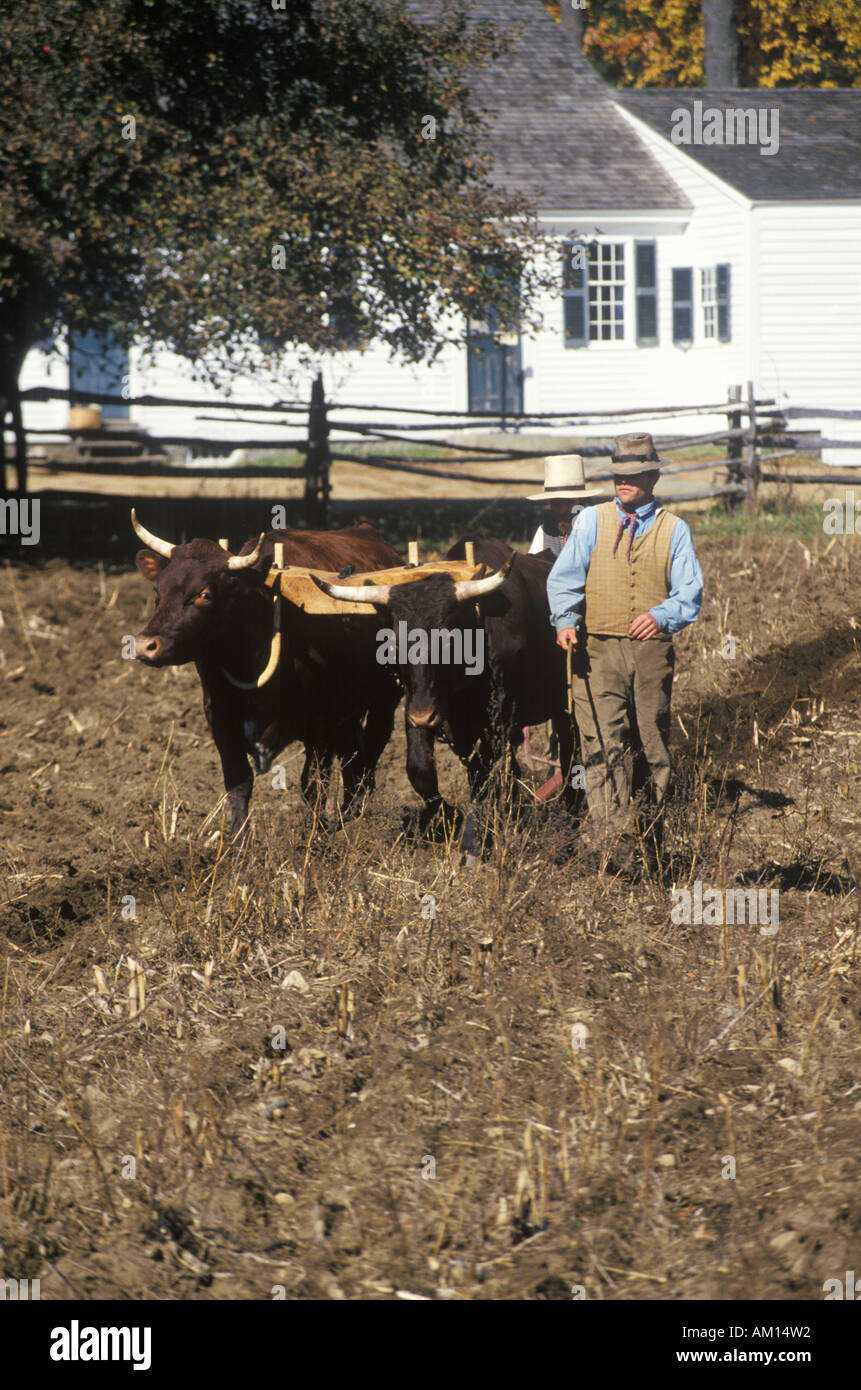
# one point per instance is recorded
(481, 716)
(328, 693)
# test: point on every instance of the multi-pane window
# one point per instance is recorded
(606, 292)
(593, 296)
(593, 293)
(708, 284)
(714, 282)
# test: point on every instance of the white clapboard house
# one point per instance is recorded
(708, 263)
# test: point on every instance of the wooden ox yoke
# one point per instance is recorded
(296, 584)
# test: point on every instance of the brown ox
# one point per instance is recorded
(480, 715)
(329, 693)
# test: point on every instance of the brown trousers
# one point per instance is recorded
(612, 678)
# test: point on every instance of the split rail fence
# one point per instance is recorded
(758, 433)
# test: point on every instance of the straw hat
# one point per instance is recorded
(637, 452)
(564, 477)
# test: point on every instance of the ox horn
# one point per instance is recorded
(474, 588)
(355, 593)
(274, 650)
(241, 562)
(266, 674)
(154, 542)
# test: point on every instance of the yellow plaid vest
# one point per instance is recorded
(616, 591)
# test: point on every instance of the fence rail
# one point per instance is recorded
(47, 393)
(753, 425)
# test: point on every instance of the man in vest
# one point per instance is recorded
(626, 580)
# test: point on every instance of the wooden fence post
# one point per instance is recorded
(751, 462)
(10, 404)
(317, 459)
(2, 444)
(734, 448)
(20, 445)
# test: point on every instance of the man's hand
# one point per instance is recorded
(643, 627)
(567, 638)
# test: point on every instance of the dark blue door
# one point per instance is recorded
(98, 364)
(494, 367)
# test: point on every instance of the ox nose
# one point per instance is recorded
(423, 718)
(147, 648)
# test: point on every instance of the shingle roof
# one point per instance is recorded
(554, 130)
(819, 153)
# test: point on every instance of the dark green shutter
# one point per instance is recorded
(575, 300)
(683, 305)
(646, 283)
(723, 318)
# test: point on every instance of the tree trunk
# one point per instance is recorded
(20, 445)
(10, 404)
(573, 22)
(317, 459)
(12, 355)
(721, 44)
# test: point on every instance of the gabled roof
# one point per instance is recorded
(554, 131)
(819, 153)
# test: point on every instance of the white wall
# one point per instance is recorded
(348, 377)
(601, 376)
(368, 377)
(45, 369)
(808, 259)
(715, 230)
(616, 375)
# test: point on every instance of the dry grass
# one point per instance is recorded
(325, 1081)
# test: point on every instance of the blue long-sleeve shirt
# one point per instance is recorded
(566, 583)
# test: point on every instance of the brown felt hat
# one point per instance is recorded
(636, 452)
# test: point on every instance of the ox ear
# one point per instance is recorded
(150, 564)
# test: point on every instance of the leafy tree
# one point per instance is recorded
(782, 43)
(231, 178)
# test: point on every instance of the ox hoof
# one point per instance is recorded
(439, 822)
(352, 810)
